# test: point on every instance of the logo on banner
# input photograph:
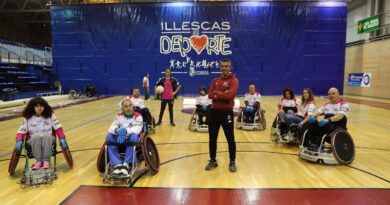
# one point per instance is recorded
(359, 79)
(206, 38)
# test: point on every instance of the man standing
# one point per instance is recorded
(145, 85)
(222, 91)
(171, 87)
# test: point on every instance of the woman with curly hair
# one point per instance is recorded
(40, 126)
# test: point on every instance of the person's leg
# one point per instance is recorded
(253, 114)
(113, 151)
(47, 142)
(146, 116)
(228, 129)
(162, 109)
(289, 119)
(214, 124)
(36, 148)
(146, 90)
(129, 149)
(281, 116)
(170, 107)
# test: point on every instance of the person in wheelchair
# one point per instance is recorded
(335, 112)
(252, 104)
(288, 105)
(139, 106)
(295, 122)
(203, 105)
(125, 129)
(40, 126)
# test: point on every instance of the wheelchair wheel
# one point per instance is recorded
(68, 156)
(150, 153)
(13, 163)
(101, 160)
(342, 146)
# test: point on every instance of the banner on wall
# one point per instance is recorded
(189, 38)
(368, 24)
(359, 79)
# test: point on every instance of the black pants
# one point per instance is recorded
(216, 119)
(315, 132)
(162, 109)
(146, 116)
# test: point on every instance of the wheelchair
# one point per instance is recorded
(150, 128)
(42, 176)
(143, 150)
(288, 135)
(340, 151)
(259, 122)
(195, 122)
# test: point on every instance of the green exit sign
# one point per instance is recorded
(368, 24)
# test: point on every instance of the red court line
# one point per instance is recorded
(97, 195)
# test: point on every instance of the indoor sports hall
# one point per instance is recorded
(194, 102)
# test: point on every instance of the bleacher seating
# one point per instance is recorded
(22, 78)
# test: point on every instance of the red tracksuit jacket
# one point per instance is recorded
(222, 91)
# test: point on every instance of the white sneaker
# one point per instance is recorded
(125, 169)
(124, 172)
(117, 169)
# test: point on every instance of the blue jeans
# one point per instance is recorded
(113, 150)
(289, 118)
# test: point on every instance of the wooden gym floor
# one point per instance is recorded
(262, 165)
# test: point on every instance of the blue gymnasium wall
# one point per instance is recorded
(272, 44)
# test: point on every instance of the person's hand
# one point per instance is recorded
(121, 131)
(323, 122)
(18, 145)
(121, 139)
(312, 120)
(63, 143)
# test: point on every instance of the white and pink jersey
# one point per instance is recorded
(252, 98)
(137, 102)
(203, 100)
(40, 127)
(307, 109)
(132, 124)
(340, 107)
(289, 102)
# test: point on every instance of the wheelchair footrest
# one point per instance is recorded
(38, 177)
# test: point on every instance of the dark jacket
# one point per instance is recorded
(174, 82)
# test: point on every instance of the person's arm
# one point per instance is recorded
(341, 114)
(137, 126)
(310, 110)
(114, 126)
(22, 131)
(229, 94)
(212, 94)
(57, 127)
(246, 100)
(318, 112)
(177, 89)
